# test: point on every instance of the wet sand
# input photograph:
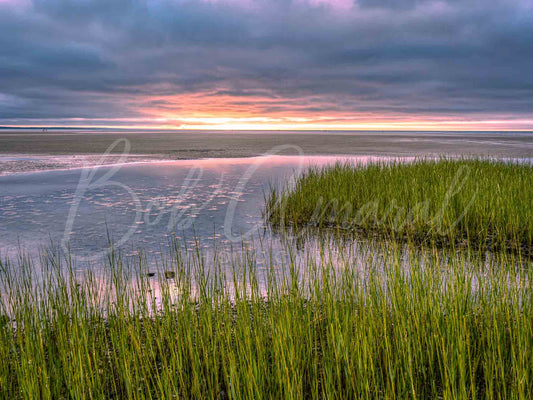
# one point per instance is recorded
(20, 163)
(206, 144)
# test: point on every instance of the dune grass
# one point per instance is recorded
(375, 325)
(482, 202)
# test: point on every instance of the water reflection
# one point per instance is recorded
(147, 204)
(253, 268)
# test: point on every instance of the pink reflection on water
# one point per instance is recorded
(269, 161)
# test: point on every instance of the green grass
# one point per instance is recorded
(483, 203)
(375, 324)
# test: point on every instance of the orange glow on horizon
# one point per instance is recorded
(249, 112)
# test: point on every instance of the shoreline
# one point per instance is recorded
(42, 163)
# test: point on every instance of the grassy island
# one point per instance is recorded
(482, 202)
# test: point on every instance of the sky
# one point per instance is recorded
(277, 64)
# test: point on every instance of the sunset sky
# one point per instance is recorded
(278, 64)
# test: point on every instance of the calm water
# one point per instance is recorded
(144, 205)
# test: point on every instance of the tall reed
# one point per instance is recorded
(394, 322)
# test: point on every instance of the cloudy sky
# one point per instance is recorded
(306, 64)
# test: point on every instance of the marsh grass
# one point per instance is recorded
(483, 203)
(393, 323)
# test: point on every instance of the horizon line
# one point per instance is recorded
(222, 129)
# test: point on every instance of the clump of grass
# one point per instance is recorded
(428, 327)
(483, 202)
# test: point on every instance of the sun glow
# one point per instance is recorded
(324, 124)
(288, 124)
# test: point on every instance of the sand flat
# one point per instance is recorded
(215, 144)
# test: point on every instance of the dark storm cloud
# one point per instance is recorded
(97, 59)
